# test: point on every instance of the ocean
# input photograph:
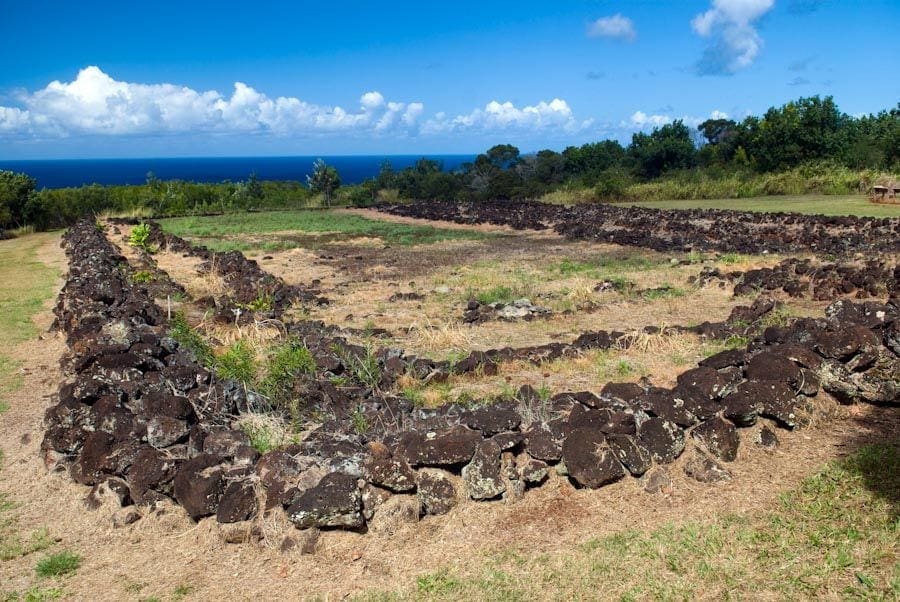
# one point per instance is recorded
(60, 173)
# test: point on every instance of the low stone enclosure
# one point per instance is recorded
(140, 417)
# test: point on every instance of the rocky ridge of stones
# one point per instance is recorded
(678, 230)
(140, 418)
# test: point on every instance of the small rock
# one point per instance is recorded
(436, 491)
(658, 481)
(720, 438)
(706, 470)
(589, 460)
(767, 438)
(124, 517)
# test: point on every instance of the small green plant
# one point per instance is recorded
(181, 591)
(624, 368)
(414, 395)
(140, 237)
(360, 422)
(34, 594)
(285, 363)
(143, 277)
(189, 338)
(732, 258)
(364, 368)
(238, 362)
(55, 565)
(736, 342)
(544, 392)
(263, 438)
(497, 294)
(666, 291)
(263, 302)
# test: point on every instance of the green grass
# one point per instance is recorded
(34, 594)
(214, 231)
(56, 565)
(27, 284)
(806, 203)
(836, 536)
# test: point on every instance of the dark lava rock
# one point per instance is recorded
(436, 492)
(163, 431)
(225, 442)
(152, 470)
(632, 456)
(662, 438)
(482, 474)
(589, 460)
(238, 503)
(720, 438)
(199, 485)
(725, 359)
(493, 419)
(453, 446)
(706, 470)
(533, 472)
(542, 445)
(664, 405)
(773, 366)
(767, 438)
(335, 502)
(391, 473)
(625, 392)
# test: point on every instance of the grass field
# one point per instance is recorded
(808, 203)
(273, 230)
(26, 284)
(835, 537)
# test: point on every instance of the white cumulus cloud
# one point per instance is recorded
(615, 26)
(497, 116)
(640, 120)
(730, 25)
(94, 103)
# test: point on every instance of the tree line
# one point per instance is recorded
(806, 140)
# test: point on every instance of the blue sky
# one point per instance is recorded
(100, 79)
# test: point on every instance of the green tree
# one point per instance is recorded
(15, 188)
(668, 147)
(324, 179)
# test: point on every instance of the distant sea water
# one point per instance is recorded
(60, 173)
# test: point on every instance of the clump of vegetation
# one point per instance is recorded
(55, 565)
(666, 291)
(360, 422)
(140, 238)
(189, 338)
(237, 362)
(497, 294)
(143, 277)
(285, 363)
(262, 302)
(364, 367)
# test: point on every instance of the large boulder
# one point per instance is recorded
(589, 460)
(482, 474)
(452, 446)
(436, 491)
(662, 438)
(719, 437)
(199, 485)
(335, 502)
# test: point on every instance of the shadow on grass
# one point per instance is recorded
(874, 454)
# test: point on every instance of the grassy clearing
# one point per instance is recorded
(330, 224)
(27, 284)
(836, 536)
(806, 203)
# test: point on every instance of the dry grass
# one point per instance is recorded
(441, 338)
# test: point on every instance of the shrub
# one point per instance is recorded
(286, 362)
(238, 362)
(140, 237)
(55, 565)
(188, 337)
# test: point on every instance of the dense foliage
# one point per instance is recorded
(806, 145)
